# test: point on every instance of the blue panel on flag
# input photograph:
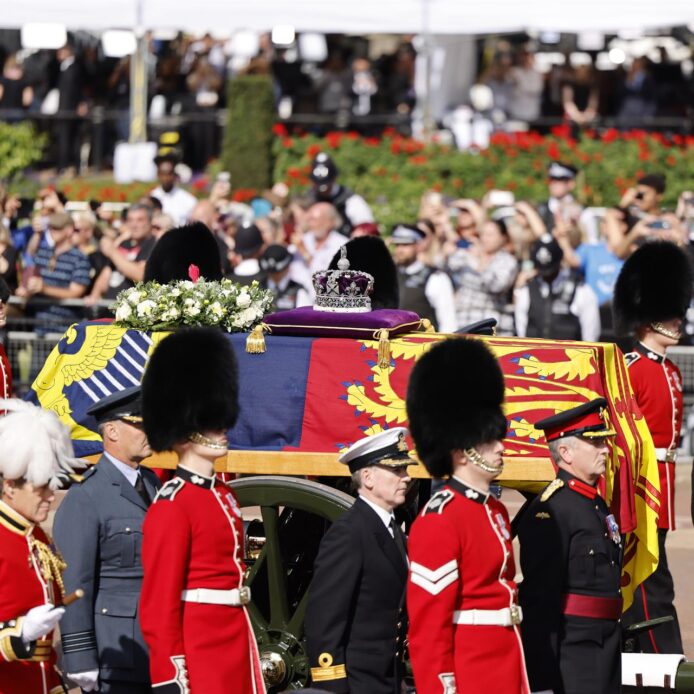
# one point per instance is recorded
(271, 423)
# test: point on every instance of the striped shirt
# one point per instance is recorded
(60, 271)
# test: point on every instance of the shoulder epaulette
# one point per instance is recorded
(81, 478)
(438, 502)
(169, 490)
(552, 487)
(631, 357)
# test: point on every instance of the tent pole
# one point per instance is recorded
(138, 84)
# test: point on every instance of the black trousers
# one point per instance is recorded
(654, 598)
(590, 659)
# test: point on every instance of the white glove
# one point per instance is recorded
(40, 620)
(87, 681)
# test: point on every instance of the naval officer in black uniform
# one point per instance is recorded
(571, 556)
(355, 623)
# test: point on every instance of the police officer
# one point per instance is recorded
(287, 293)
(652, 294)
(354, 618)
(561, 181)
(248, 247)
(461, 594)
(556, 303)
(571, 555)
(98, 527)
(423, 289)
(352, 207)
(35, 452)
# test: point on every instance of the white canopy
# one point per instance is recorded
(354, 16)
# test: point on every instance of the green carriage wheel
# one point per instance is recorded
(295, 515)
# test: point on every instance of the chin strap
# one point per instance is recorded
(476, 459)
(666, 332)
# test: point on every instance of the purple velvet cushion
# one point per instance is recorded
(361, 326)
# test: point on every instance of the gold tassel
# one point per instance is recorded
(426, 325)
(255, 342)
(383, 348)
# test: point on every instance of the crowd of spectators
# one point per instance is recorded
(541, 270)
(581, 93)
(188, 76)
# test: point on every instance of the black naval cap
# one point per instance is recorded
(387, 448)
(486, 326)
(123, 404)
(589, 420)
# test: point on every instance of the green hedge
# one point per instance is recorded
(392, 172)
(247, 150)
(20, 147)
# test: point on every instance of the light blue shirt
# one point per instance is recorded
(130, 473)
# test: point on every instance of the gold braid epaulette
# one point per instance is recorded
(51, 563)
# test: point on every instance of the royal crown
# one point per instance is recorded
(343, 290)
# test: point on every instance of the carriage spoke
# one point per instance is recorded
(277, 585)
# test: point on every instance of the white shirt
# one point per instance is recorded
(130, 473)
(384, 515)
(441, 295)
(357, 210)
(584, 306)
(177, 203)
(321, 257)
(247, 267)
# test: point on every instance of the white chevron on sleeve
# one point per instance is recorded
(434, 580)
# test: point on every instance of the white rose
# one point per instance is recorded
(216, 309)
(187, 284)
(146, 308)
(175, 292)
(191, 310)
(133, 296)
(243, 300)
(123, 312)
(247, 316)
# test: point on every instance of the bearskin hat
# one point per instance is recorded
(454, 401)
(370, 254)
(655, 284)
(178, 249)
(190, 385)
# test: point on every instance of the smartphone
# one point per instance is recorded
(26, 208)
(659, 225)
(224, 177)
(501, 198)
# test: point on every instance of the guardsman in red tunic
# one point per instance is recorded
(571, 559)
(193, 605)
(5, 371)
(35, 450)
(462, 600)
(652, 294)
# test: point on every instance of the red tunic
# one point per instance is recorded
(193, 538)
(657, 386)
(5, 375)
(461, 558)
(25, 582)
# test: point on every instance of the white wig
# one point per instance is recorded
(34, 445)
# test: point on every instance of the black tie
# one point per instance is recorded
(142, 490)
(399, 539)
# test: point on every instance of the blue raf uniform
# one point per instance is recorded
(98, 528)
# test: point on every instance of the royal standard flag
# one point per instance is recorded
(309, 398)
